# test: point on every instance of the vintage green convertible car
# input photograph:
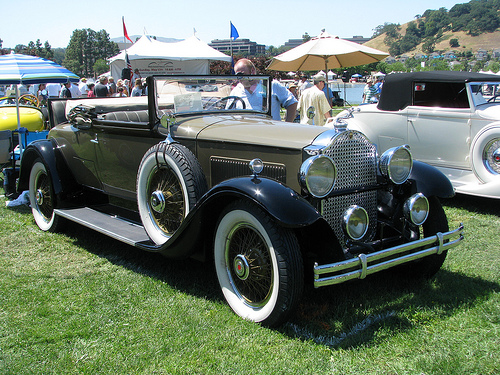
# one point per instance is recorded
(189, 172)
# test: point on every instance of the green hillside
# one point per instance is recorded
(465, 27)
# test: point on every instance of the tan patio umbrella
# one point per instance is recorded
(326, 52)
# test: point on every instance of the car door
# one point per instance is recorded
(119, 154)
(75, 144)
(439, 124)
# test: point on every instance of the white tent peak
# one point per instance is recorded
(189, 56)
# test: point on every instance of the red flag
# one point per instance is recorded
(125, 31)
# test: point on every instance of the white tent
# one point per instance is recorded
(190, 56)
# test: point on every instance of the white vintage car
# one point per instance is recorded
(450, 120)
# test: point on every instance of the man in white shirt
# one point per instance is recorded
(303, 84)
(313, 105)
(82, 86)
(75, 91)
(53, 89)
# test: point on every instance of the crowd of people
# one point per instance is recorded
(85, 88)
(371, 92)
(308, 100)
(107, 87)
(304, 101)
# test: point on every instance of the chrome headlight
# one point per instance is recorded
(416, 208)
(355, 222)
(317, 175)
(256, 166)
(396, 164)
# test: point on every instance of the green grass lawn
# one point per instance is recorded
(82, 303)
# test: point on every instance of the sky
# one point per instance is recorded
(268, 22)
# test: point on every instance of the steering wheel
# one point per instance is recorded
(493, 98)
(29, 99)
(219, 104)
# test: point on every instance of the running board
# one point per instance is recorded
(110, 225)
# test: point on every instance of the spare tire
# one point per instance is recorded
(169, 183)
(485, 155)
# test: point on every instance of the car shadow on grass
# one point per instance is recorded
(187, 275)
(488, 206)
(361, 312)
(354, 314)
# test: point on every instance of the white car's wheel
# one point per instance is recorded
(42, 199)
(485, 155)
(258, 264)
(169, 183)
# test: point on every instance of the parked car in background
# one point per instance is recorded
(450, 120)
(271, 205)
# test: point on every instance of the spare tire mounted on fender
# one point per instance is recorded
(485, 154)
(169, 183)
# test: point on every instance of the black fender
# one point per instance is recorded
(282, 203)
(63, 182)
(431, 181)
(287, 207)
(46, 151)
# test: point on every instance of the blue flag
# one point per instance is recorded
(234, 32)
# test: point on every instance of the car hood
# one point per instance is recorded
(250, 129)
(489, 111)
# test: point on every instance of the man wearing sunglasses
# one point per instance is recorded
(249, 91)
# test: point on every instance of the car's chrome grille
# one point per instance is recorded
(356, 160)
(224, 168)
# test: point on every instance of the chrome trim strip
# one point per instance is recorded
(359, 268)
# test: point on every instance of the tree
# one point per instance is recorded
(100, 67)
(85, 48)
(306, 37)
(47, 51)
(389, 28)
(428, 46)
(454, 43)
(494, 66)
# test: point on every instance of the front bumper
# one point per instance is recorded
(364, 265)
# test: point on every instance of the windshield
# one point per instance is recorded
(485, 92)
(202, 94)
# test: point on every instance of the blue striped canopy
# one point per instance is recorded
(16, 69)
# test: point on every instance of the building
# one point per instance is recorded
(243, 46)
(358, 39)
(481, 54)
(292, 43)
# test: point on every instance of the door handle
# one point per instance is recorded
(95, 140)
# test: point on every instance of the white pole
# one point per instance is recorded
(18, 121)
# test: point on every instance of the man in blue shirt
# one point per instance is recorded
(281, 96)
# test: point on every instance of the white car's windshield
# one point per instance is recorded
(485, 92)
(194, 94)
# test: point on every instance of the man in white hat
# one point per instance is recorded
(313, 105)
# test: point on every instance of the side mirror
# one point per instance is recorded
(167, 120)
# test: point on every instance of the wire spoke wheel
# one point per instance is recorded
(251, 273)
(167, 203)
(169, 183)
(42, 199)
(258, 264)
